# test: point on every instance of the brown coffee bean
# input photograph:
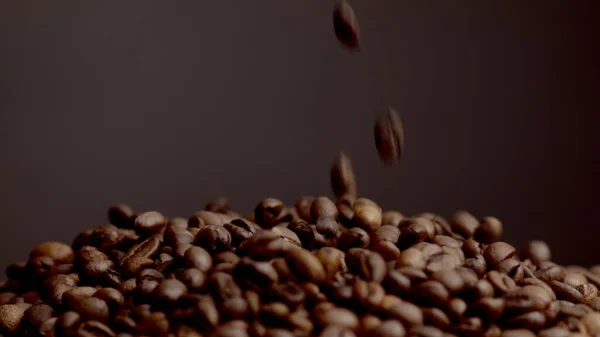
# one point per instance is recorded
(555, 332)
(305, 265)
(145, 249)
(74, 297)
(288, 235)
(502, 283)
(407, 313)
(528, 298)
(11, 316)
(389, 137)
(264, 245)
(57, 251)
(213, 238)
(121, 216)
(332, 260)
(477, 264)
(169, 290)
(456, 309)
(534, 320)
(537, 251)
(207, 218)
(550, 273)
(517, 333)
(342, 177)
(566, 292)
(574, 279)
(487, 308)
(175, 235)
(275, 311)
(389, 328)
(149, 222)
(323, 207)
(436, 317)
(93, 308)
(113, 298)
(367, 215)
(387, 249)
(588, 291)
(391, 218)
(268, 212)
(354, 238)
(489, 230)
(411, 257)
(198, 257)
(464, 223)
(425, 331)
(345, 25)
(134, 265)
(450, 279)
(591, 321)
(432, 292)
(94, 328)
(36, 315)
(255, 274)
(367, 264)
(498, 252)
(336, 316)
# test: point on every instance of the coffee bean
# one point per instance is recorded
(588, 291)
(591, 321)
(264, 245)
(94, 328)
(450, 279)
(550, 273)
(207, 218)
(367, 264)
(432, 292)
(489, 230)
(537, 251)
(554, 332)
(149, 222)
(387, 249)
(411, 257)
(145, 249)
(534, 320)
(436, 317)
(323, 207)
(407, 313)
(336, 316)
(255, 274)
(574, 279)
(113, 298)
(289, 236)
(305, 265)
(240, 230)
(425, 331)
(502, 283)
(332, 260)
(268, 212)
(517, 333)
(498, 252)
(354, 238)
(74, 297)
(121, 216)
(528, 298)
(198, 257)
(11, 316)
(177, 235)
(389, 137)
(345, 25)
(213, 238)
(566, 292)
(93, 308)
(57, 251)
(367, 215)
(464, 223)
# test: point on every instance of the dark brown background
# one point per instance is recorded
(165, 106)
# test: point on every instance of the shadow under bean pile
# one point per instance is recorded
(318, 268)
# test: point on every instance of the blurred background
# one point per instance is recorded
(166, 106)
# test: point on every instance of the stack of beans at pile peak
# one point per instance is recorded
(319, 268)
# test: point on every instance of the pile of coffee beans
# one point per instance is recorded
(321, 267)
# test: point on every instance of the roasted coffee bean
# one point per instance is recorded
(389, 137)
(591, 321)
(425, 331)
(336, 331)
(207, 218)
(432, 292)
(502, 283)
(74, 297)
(367, 215)
(57, 251)
(345, 25)
(149, 222)
(332, 260)
(323, 207)
(145, 249)
(94, 328)
(11, 316)
(498, 252)
(197, 257)
(121, 216)
(391, 218)
(407, 313)
(287, 235)
(213, 238)
(304, 232)
(305, 265)
(412, 257)
(517, 333)
(175, 235)
(354, 238)
(268, 212)
(342, 176)
(566, 292)
(240, 230)
(489, 230)
(336, 316)
(255, 274)
(450, 279)
(367, 264)
(263, 246)
(464, 223)
(528, 298)
(436, 317)
(550, 273)
(537, 251)
(387, 249)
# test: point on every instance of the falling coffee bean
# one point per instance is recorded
(345, 25)
(389, 137)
